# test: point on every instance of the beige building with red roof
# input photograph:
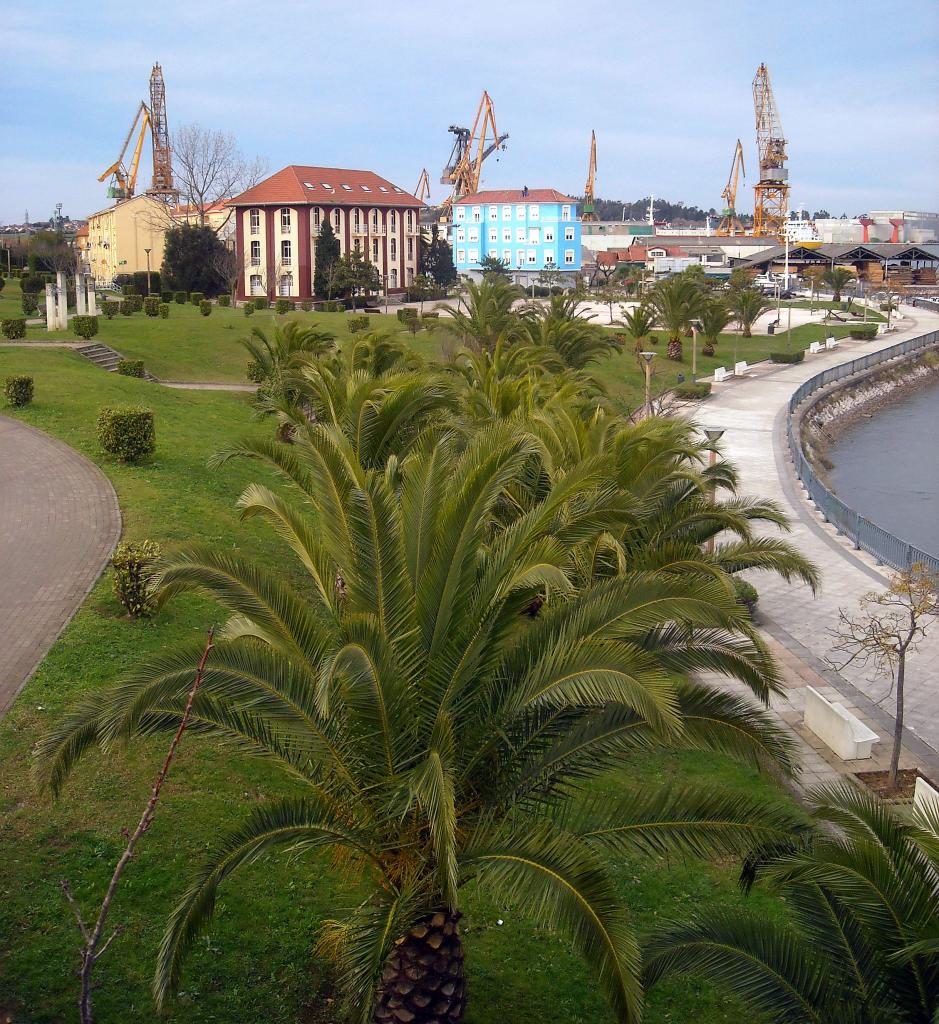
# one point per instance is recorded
(278, 220)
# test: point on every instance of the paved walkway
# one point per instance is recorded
(59, 521)
(752, 411)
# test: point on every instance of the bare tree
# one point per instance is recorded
(228, 265)
(891, 623)
(208, 167)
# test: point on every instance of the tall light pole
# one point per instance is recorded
(647, 366)
(694, 353)
(147, 251)
(713, 434)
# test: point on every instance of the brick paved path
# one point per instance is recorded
(59, 520)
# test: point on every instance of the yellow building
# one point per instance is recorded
(118, 238)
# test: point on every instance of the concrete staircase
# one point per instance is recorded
(107, 358)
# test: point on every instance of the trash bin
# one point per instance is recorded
(680, 378)
(771, 329)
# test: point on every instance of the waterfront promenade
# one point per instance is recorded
(752, 412)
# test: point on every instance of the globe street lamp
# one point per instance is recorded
(647, 366)
(147, 251)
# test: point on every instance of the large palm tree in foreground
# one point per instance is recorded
(441, 689)
(677, 302)
(863, 943)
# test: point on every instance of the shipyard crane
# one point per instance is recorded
(771, 200)
(471, 146)
(153, 119)
(588, 211)
(730, 223)
(423, 187)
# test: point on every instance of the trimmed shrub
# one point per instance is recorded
(253, 371)
(13, 328)
(864, 333)
(282, 306)
(205, 307)
(128, 307)
(224, 300)
(261, 302)
(3, 281)
(110, 309)
(128, 289)
(164, 310)
(181, 298)
(133, 562)
(699, 389)
(126, 432)
(137, 302)
(787, 357)
(85, 326)
(196, 297)
(140, 282)
(306, 305)
(29, 303)
(151, 305)
(746, 594)
(429, 323)
(166, 296)
(130, 367)
(248, 309)
(357, 323)
(431, 316)
(32, 283)
(18, 390)
(333, 306)
(406, 314)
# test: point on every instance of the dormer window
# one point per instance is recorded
(365, 188)
(347, 188)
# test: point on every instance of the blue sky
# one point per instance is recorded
(374, 84)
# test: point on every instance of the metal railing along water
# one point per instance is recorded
(865, 535)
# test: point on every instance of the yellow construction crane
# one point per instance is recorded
(423, 187)
(153, 119)
(124, 180)
(470, 148)
(588, 211)
(730, 224)
(771, 200)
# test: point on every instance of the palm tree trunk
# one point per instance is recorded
(898, 725)
(422, 981)
(674, 350)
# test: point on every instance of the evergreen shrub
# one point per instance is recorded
(13, 328)
(18, 390)
(85, 326)
(128, 432)
(133, 563)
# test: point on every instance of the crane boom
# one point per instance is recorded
(588, 210)
(464, 168)
(730, 224)
(423, 187)
(771, 199)
(124, 181)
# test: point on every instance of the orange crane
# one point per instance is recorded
(470, 148)
(771, 200)
(730, 224)
(588, 211)
(423, 187)
(153, 119)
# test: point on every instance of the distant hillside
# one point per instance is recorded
(677, 214)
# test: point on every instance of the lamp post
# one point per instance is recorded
(713, 434)
(147, 251)
(647, 366)
(694, 352)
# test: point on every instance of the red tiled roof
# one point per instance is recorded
(185, 209)
(83, 230)
(515, 195)
(301, 184)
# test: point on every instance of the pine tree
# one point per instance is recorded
(438, 260)
(327, 256)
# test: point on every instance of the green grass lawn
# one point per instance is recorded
(256, 964)
(10, 299)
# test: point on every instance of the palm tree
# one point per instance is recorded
(862, 946)
(837, 278)
(747, 306)
(639, 323)
(269, 355)
(440, 690)
(676, 301)
(562, 326)
(715, 316)
(484, 312)
(815, 277)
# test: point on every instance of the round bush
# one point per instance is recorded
(110, 309)
(164, 311)
(137, 302)
(196, 297)
(13, 328)
(224, 300)
(746, 594)
(128, 290)
(127, 433)
(18, 390)
(151, 305)
(181, 298)
(128, 307)
(85, 326)
(306, 305)
(248, 309)
(32, 283)
(166, 296)
(261, 302)
(130, 367)
(205, 307)
(133, 562)
(406, 314)
(282, 306)
(357, 323)
(29, 303)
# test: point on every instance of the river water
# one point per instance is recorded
(887, 467)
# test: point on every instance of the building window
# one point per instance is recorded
(506, 212)
(286, 252)
(394, 248)
(410, 248)
(285, 287)
(493, 212)
(285, 219)
(521, 258)
(393, 278)
(255, 218)
(549, 257)
(355, 221)
(549, 234)
(477, 214)
(493, 234)
(358, 245)
(410, 220)
(255, 254)
(534, 212)
(374, 250)
(506, 234)
(519, 212)
(337, 219)
(519, 234)
(507, 257)
(532, 255)
(474, 235)
(410, 276)
(461, 213)
(374, 222)
(256, 287)
(461, 234)
(461, 255)
(568, 234)
(568, 256)
(316, 217)
(474, 255)
(534, 236)
(565, 213)
(394, 221)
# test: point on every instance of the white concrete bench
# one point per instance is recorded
(925, 797)
(837, 728)
(740, 369)
(815, 348)
(831, 343)
(720, 375)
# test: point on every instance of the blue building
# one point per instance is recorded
(528, 229)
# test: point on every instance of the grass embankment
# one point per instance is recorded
(256, 964)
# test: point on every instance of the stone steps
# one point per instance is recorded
(107, 358)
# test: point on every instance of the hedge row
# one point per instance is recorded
(787, 357)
